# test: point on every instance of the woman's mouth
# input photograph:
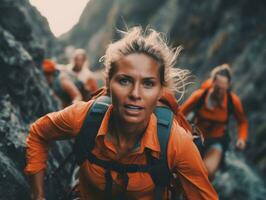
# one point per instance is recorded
(133, 109)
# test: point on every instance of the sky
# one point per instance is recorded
(62, 15)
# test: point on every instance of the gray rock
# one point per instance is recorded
(25, 39)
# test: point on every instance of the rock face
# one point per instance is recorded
(24, 94)
(212, 32)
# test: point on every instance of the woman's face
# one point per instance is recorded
(135, 88)
(220, 85)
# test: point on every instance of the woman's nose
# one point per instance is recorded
(136, 91)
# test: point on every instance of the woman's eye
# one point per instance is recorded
(148, 84)
(124, 81)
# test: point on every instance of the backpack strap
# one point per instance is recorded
(200, 103)
(85, 140)
(230, 104)
(160, 173)
(230, 110)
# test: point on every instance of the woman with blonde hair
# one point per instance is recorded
(212, 105)
(136, 146)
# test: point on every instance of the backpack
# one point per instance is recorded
(157, 168)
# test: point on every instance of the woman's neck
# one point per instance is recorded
(126, 135)
(215, 99)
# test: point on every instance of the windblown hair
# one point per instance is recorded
(151, 43)
(223, 70)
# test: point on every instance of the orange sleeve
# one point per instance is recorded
(59, 125)
(242, 123)
(206, 84)
(191, 102)
(184, 158)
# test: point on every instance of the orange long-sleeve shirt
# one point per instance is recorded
(212, 121)
(182, 154)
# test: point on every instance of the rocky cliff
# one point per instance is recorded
(25, 39)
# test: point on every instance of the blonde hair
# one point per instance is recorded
(151, 43)
(223, 70)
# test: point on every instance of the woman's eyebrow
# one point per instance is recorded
(145, 78)
(150, 78)
(124, 75)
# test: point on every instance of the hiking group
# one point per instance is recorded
(71, 83)
(132, 140)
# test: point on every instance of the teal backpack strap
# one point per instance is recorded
(161, 174)
(230, 110)
(85, 140)
(230, 104)
(200, 102)
(164, 124)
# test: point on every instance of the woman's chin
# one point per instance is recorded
(133, 119)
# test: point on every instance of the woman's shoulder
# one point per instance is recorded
(235, 97)
(180, 145)
(74, 113)
(197, 94)
(237, 104)
(78, 107)
(179, 137)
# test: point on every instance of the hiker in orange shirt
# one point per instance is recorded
(212, 105)
(133, 147)
(67, 90)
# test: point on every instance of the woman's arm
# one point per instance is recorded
(191, 102)
(185, 160)
(54, 126)
(69, 87)
(242, 123)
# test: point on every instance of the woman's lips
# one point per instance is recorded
(130, 106)
(133, 109)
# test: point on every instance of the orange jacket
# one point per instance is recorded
(212, 121)
(206, 84)
(182, 154)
